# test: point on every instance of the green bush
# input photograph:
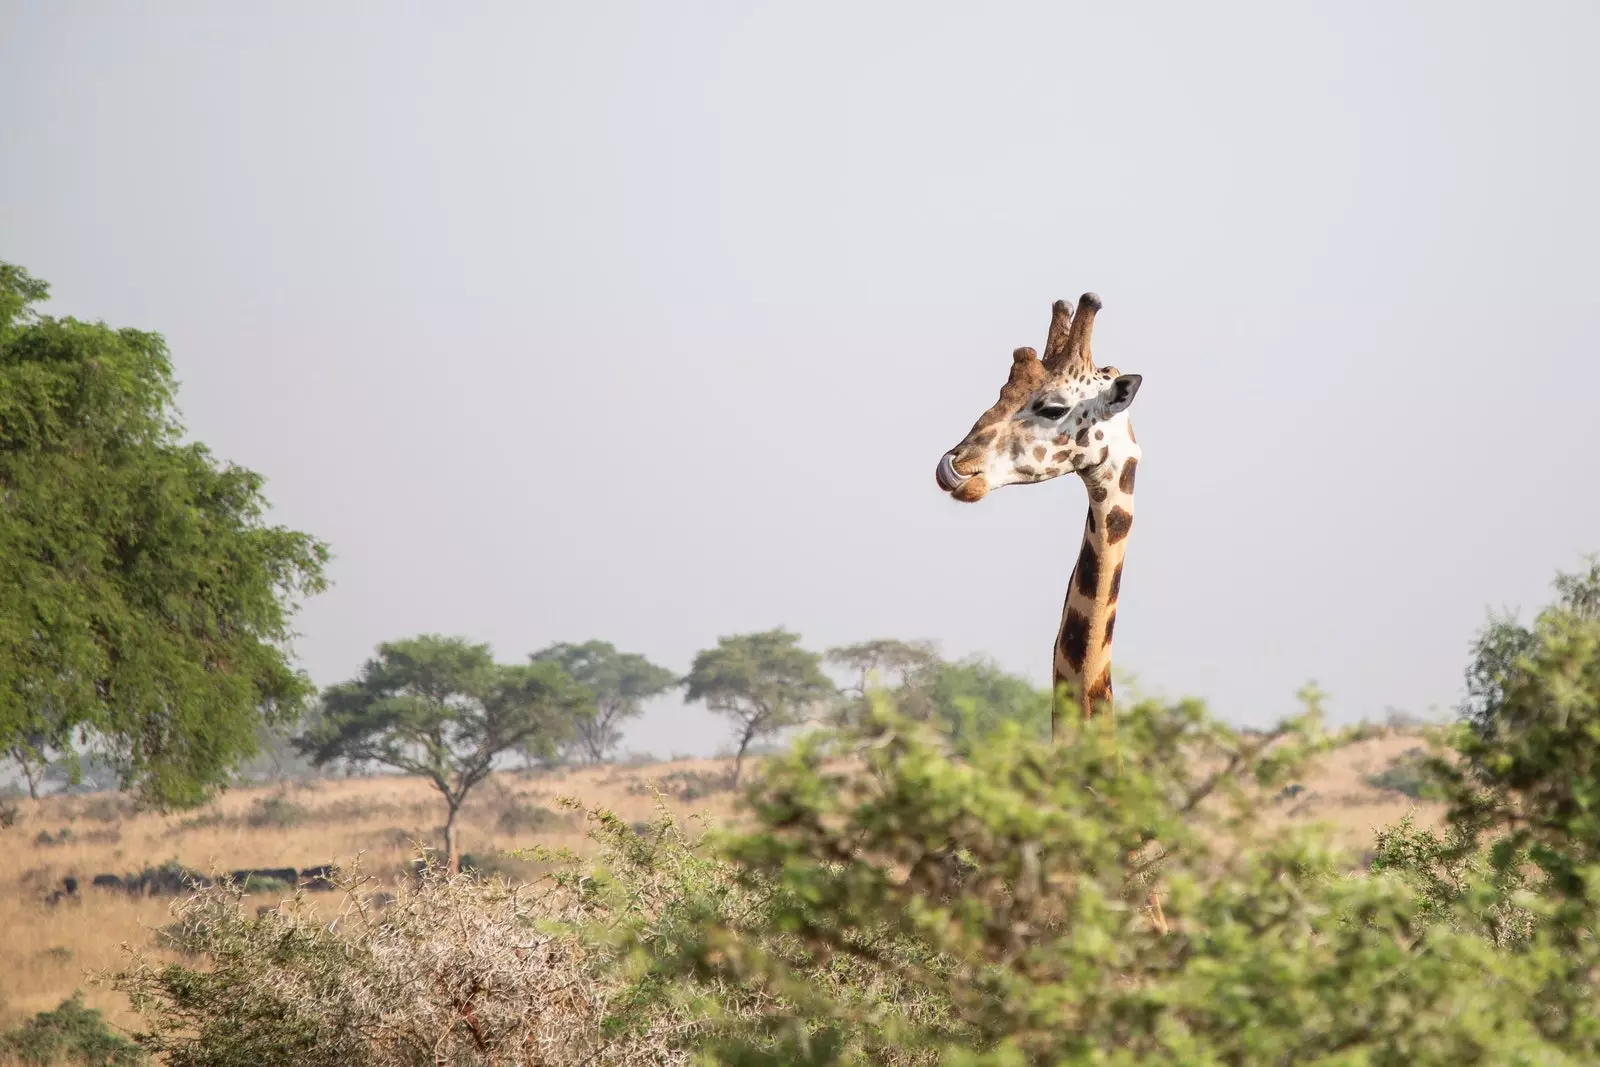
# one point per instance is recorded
(71, 1034)
(1407, 775)
(899, 906)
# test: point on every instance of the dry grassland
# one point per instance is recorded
(46, 950)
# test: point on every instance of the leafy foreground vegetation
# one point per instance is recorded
(895, 902)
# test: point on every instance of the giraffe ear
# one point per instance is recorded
(1120, 395)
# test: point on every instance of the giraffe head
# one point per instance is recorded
(1057, 415)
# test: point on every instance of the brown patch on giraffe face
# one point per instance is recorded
(1039, 452)
(1062, 456)
(1075, 638)
(1129, 472)
(1118, 523)
(1111, 625)
(1083, 438)
(1116, 584)
(1086, 575)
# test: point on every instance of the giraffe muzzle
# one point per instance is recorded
(949, 480)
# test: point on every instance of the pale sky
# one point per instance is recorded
(649, 322)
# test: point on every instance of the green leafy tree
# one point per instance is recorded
(620, 681)
(442, 709)
(967, 697)
(71, 1034)
(763, 682)
(882, 663)
(878, 664)
(975, 697)
(1521, 771)
(143, 598)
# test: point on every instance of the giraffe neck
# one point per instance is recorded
(1083, 643)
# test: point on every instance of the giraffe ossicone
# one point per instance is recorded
(1056, 415)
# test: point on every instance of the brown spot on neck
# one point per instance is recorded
(1129, 472)
(1075, 638)
(1118, 523)
(1086, 575)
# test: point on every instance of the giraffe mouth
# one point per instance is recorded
(949, 480)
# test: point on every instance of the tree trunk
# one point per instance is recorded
(451, 846)
(30, 774)
(738, 757)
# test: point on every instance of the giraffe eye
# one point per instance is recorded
(1050, 411)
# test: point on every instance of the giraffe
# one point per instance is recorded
(1056, 416)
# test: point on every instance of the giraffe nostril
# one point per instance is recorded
(949, 480)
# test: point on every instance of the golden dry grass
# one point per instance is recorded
(47, 950)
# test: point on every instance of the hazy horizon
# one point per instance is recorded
(649, 322)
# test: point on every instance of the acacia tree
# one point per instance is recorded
(620, 681)
(763, 682)
(442, 709)
(144, 601)
(884, 663)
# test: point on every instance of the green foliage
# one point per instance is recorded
(763, 682)
(882, 663)
(975, 698)
(896, 904)
(1407, 775)
(143, 598)
(441, 708)
(1528, 765)
(71, 1034)
(620, 681)
(968, 698)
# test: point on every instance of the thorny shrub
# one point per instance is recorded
(453, 970)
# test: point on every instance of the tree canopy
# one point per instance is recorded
(443, 709)
(620, 681)
(145, 602)
(965, 698)
(762, 682)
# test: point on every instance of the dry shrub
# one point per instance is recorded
(453, 970)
